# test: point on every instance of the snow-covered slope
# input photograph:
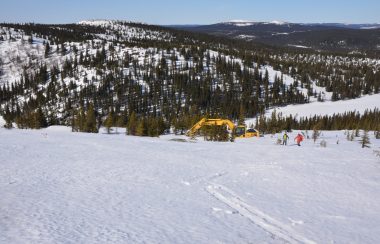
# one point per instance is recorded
(63, 187)
(329, 108)
(123, 30)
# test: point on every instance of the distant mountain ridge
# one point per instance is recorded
(242, 23)
(317, 36)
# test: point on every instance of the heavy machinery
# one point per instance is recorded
(239, 131)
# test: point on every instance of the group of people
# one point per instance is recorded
(298, 139)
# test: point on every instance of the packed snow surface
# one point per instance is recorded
(62, 187)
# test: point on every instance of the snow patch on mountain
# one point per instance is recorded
(278, 22)
(299, 46)
(96, 22)
(246, 37)
(241, 23)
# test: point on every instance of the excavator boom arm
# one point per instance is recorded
(205, 121)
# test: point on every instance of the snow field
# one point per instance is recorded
(330, 108)
(63, 187)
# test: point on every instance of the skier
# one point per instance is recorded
(285, 138)
(298, 139)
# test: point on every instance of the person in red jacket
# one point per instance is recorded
(298, 139)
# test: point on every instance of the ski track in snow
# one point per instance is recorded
(275, 228)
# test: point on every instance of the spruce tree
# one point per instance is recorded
(377, 132)
(141, 129)
(81, 120)
(365, 140)
(132, 124)
(108, 123)
(90, 125)
(47, 49)
(39, 119)
(8, 118)
(352, 136)
(357, 132)
(241, 120)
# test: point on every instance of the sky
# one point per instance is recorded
(165, 12)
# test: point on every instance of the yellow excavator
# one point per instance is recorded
(239, 131)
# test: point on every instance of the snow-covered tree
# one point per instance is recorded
(365, 140)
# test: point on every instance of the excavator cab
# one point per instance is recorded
(252, 132)
(240, 131)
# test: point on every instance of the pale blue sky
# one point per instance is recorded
(191, 11)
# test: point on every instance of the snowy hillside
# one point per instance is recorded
(126, 31)
(17, 52)
(359, 105)
(54, 72)
(329, 108)
(63, 187)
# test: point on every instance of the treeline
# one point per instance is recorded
(88, 120)
(58, 33)
(34, 120)
(369, 120)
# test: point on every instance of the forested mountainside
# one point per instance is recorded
(329, 37)
(149, 78)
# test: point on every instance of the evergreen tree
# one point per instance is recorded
(241, 120)
(357, 132)
(141, 128)
(365, 140)
(352, 137)
(81, 120)
(132, 124)
(47, 49)
(108, 123)
(39, 119)
(8, 118)
(377, 132)
(90, 124)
